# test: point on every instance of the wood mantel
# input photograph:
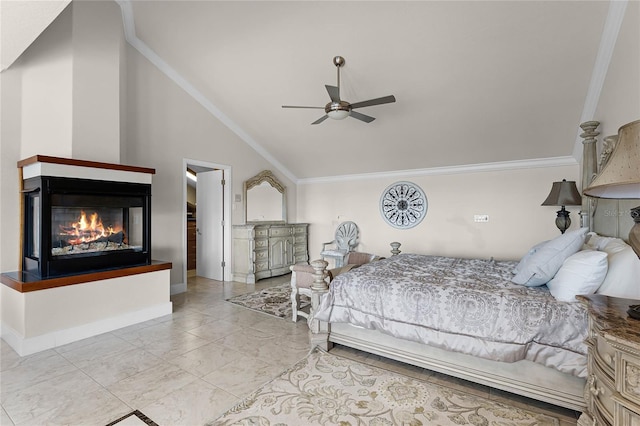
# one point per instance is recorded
(24, 282)
(82, 163)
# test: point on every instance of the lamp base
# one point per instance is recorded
(563, 222)
(634, 234)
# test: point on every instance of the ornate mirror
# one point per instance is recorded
(265, 199)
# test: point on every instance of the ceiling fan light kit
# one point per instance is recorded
(339, 109)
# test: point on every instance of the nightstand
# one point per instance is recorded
(612, 393)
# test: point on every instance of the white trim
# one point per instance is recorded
(227, 218)
(449, 170)
(61, 337)
(155, 59)
(82, 172)
(608, 40)
(178, 288)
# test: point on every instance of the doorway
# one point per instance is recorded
(206, 220)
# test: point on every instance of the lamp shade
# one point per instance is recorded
(563, 193)
(620, 177)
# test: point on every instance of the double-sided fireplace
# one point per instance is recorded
(76, 225)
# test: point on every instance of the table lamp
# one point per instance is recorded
(563, 194)
(620, 177)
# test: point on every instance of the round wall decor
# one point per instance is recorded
(403, 205)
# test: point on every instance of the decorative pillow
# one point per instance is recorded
(581, 273)
(623, 277)
(525, 258)
(542, 265)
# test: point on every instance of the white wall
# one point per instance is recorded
(620, 98)
(165, 125)
(80, 92)
(511, 199)
(97, 39)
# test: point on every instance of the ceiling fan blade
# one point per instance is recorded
(321, 119)
(361, 117)
(378, 101)
(334, 93)
(292, 106)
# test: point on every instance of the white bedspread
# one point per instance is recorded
(463, 305)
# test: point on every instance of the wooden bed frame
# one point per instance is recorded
(523, 377)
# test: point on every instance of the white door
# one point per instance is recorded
(209, 225)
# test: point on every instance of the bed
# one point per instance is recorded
(467, 318)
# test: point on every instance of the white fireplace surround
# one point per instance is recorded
(41, 317)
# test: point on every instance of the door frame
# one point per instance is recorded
(226, 214)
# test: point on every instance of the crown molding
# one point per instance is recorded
(608, 40)
(131, 37)
(450, 170)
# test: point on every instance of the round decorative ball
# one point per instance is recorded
(403, 205)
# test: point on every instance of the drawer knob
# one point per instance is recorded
(593, 386)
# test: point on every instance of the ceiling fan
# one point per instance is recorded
(339, 109)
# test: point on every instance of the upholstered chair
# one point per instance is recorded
(302, 278)
(344, 242)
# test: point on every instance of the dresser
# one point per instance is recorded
(267, 249)
(612, 392)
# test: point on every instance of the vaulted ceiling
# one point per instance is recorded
(475, 81)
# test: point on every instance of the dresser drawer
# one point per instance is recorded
(601, 390)
(605, 356)
(261, 266)
(262, 232)
(261, 244)
(300, 239)
(261, 256)
(280, 232)
(297, 230)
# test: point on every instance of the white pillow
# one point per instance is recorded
(542, 265)
(623, 278)
(580, 273)
(597, 242)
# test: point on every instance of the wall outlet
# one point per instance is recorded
(481, 218)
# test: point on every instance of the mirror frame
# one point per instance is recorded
(269, 177)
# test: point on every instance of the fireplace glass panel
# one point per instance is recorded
(34, 230)
(75, 226)
(88, 225)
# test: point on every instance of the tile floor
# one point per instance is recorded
(182, 369)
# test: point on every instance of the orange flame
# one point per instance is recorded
(86, 229)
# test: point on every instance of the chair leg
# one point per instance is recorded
(295, 301)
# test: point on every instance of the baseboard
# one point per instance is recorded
(177, 288)
(61, 337)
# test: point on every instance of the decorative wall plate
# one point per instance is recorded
(403, 205)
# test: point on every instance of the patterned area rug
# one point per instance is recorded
(273, 300)
(328, 389)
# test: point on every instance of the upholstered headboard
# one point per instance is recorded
(606, 217)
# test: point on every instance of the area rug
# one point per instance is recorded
(135, 418)
(272, 300)
(325, 389)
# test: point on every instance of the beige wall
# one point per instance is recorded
(511, 199)
(159, 125)
(80, 92)
(620, 98)
(165, 126)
